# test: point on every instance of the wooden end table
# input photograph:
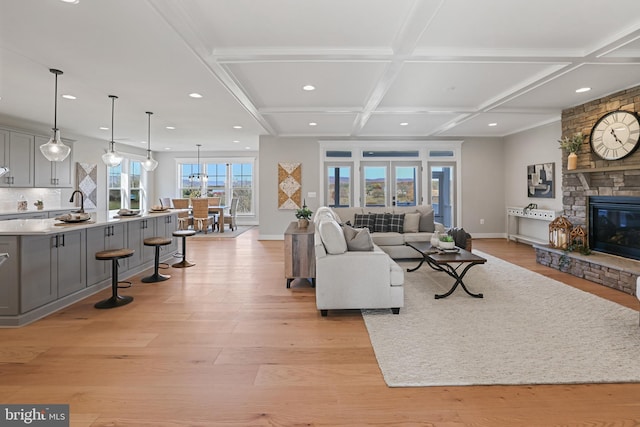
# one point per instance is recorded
(299, 253)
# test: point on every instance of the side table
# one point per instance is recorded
(299, 255)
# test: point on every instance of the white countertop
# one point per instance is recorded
(34, 210)
(24, 227)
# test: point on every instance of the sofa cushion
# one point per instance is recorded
(380, 222)
(332, 237)
(426, 218)
(388, 239)
(347, 214)
(397, 274)
(421, 236)
(358, 239)
(411, 222)
(396, 222)
(363, 221)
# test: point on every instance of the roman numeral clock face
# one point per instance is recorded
(615, 135)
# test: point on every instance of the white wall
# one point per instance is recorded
(535, 146)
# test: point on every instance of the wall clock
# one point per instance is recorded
(615, 135)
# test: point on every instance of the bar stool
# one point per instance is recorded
(114, 255)
(184, 234)
(157, 242)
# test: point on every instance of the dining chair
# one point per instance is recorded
(184, 218)
(202, 220)
(231, 218)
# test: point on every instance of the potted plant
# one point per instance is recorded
(304, 215)
(572, 145)
(39, 205)
(447, 242)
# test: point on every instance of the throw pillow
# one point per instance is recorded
(396, 223)
(411, 222)
(358, 239)
(332, 237)
(380, 222)
(362, 221)
(426, 221)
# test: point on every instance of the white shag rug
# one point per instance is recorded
(528, 329)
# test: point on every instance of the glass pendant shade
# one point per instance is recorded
(149, 164)
(55, 150)
(112, 158)
(3, 170)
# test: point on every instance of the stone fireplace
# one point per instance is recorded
(595, 184)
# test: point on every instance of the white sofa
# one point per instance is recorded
(393, 243)
(352, 279)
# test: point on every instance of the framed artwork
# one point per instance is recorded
(540, 180)
(289, 185)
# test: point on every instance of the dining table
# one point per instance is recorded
(218, 209)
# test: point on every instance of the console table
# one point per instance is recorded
(299, 255)
(514, 215)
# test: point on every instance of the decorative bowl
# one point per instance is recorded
(74, 217)
(446, 245)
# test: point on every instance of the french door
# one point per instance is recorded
(391, 183)
(442, 193)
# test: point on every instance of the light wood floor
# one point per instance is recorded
(226, 343)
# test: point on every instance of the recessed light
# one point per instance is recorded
(313, 124)
(167, 148)
(308, 88)
(195, 95)
(68, 96)
(236, 141)
(237, 127)
(171, 127)
(247, 148)
(493, 124)
(71, 1)
(583, 89)
(404, 124)
(103, 128)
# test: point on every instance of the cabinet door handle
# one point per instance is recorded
(55, 243)
(62, 240)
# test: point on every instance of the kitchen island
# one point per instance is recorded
(52, 264)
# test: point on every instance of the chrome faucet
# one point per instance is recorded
(81, 200)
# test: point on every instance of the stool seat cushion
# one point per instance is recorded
(180, 233)
(114, 253)
(157, 241)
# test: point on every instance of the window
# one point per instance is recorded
(225, 177)
(338, 185)
(126, 185)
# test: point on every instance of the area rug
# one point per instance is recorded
(528, 329)
(227, 233)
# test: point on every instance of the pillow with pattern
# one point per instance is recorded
(396, 223)
(363, 221)
(380, 222)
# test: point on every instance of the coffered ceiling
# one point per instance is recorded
(381, 68)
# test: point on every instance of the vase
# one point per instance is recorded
(303, 223)
(435, 239)
(572, 161)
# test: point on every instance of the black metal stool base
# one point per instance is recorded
(114, 301)
(156, 277)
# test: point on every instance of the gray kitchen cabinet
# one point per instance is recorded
(9, 295)
(137, 231)
(17, 153)
(54, 267)
(165, 227)
(100, 239)
(52, 174)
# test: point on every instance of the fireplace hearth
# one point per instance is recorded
(614, 225)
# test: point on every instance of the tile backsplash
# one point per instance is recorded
(50, 197)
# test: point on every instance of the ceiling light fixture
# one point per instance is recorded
(150, 163)
(313, 124)
(195, 95)
(171, 127)
(308, 88)
(492, 124)
(404, 124)
(237, 127)
(55, 150)
(198, 177)
(583, 89)
(112, 158)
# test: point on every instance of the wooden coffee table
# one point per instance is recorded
(449, 263)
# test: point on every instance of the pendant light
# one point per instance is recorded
(3, 170)
(198, 176)
(55, 150)
(112, 158)
(150, 163)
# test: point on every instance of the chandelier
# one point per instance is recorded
(198, 177)
(55, 150)
(112, 158)
(150, 163)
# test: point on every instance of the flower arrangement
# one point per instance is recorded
(573, 144)
(304, 212)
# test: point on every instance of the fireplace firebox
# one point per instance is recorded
(614, 225)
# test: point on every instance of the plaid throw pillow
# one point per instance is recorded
(380, 222)
(396, 223)
(363, 221)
